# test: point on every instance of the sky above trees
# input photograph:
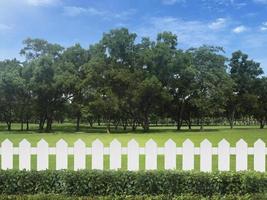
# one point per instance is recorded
(233, 24)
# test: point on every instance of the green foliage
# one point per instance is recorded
(124, 82)
(136, 197)
(124, 183)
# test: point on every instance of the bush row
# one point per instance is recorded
(118, 183)
(144, 197)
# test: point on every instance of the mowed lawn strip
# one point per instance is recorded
(160, 134)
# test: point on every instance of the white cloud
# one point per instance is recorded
(240, 29)
(218, 24)
(42, 2)
(263, 26)
(171, 2)
(4, 27)
(73, 11)
(189, 33)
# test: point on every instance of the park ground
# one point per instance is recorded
(160, 134)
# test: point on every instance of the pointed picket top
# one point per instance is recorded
(79, 142)
(151, 143)
(42, 142)
(170, 142)
(25, 143)
(115, 143)
(241, 143)
(259, 143)
(188, 142)
(223, 143)
(133, 143)
(61, 142)
(97, 142)
(205, 142)
(7, 142)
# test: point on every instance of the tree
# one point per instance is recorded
(244, 73)
(260, 108)
(48, 79)
(211, 81)
(73, 60)
(10, 87)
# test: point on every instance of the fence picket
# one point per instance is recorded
(241, 155)
(133, 156)
(205, 156)
(7, 154)
(188, 155)
(79, 151)
(223, 155)
(170, 155)
(115, 155)
(61, 155)
(97, 154)
(24, 155)
(42, 152)
(151, 155)
(259, 156)
(150, 151)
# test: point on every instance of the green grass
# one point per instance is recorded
(160, 134)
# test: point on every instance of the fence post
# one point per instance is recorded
(61, 155)
(188, 155)
(170, 155)
(151, 155)
(241, 155)
(115, 155)
(133, 156)
(24, 155)
(259, 156)
(97, 154)
(79, 151)
(223, 155)
(42, 152)
(7, 154)
(205, 156)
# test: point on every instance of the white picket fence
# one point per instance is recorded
(151, 151)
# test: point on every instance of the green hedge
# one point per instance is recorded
(144, 197)
(106, 183)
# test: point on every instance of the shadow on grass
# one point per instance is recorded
(71, 129)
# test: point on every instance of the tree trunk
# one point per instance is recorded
(262, 124)
(78, 122)
(91, 123)
(48, 124)
(108, 126)
(8, 126)
(41, 123)
(133, 125)
(201, 124)
(179, 120)
(231, 119)
(27, 128)
(146, 124)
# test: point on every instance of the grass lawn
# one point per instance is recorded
(160, 134)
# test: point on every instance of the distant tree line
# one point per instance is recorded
(123, 82)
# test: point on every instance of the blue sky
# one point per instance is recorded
(233, 24)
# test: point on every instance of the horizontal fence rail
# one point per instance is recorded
(151, 151)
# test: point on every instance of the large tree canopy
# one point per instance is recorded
(128, 81)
